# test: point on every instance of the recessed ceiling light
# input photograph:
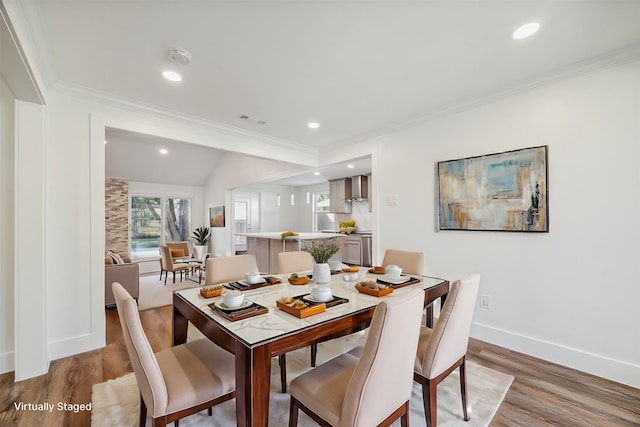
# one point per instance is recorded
(316, 173)
(172, 76)
(164, 151)
(313, 125)
(351, 166)
(525, 30)
(105, 141)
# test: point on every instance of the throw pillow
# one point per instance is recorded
(177, 253)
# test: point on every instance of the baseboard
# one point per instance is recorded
(75, 345)
(7, 362)
(594, 364)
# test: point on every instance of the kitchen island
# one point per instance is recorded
(266, 246)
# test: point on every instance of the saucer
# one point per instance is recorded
(246, 303)
(312, 299)
(394, 280)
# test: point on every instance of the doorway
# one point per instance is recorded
(245, 219)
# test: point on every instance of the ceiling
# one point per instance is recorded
(359, 68)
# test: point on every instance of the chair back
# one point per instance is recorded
(143, 360)
(228, 268)
(166, 258)
(291, 262)
(410, 262)
(450, 337)
(177, 246)
(382, 380)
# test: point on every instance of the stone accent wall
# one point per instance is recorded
(116, 218)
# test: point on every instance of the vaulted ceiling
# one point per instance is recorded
(358, 68)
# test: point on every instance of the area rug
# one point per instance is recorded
(116, 402)
(154, 293)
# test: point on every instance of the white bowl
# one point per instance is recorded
(321, 293)
(232, 298)
(393, 271)
(252, 278)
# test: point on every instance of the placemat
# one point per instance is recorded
(271, 280)
(412, 281)
(335, 300)
(254, 309)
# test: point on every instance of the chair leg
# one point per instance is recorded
(429, 398)
(282, 359)
(210, 411)
(293, 412)
(143, 412)
(174, 277)
(314, 354)
(463, 389)
(166, 275)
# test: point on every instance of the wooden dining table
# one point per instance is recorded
(255, 340)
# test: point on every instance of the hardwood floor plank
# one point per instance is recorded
(542, 393)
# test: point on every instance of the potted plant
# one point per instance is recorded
(321, 251)
(201, 236)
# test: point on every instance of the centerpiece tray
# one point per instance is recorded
(211, 291)
(374, 292)
(312, 307)
(254, 309)
(241, 286)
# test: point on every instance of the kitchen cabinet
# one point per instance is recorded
(353, 250)
(339, 194)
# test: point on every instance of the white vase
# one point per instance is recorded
(200, 251)
(321, 273)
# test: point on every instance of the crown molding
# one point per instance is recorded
(592, 65)
(122, 103)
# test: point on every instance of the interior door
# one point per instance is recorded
(241, 222)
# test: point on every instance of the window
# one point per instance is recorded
(323, 219)
(147, 216)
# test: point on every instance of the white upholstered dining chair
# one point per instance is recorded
(443, 349)
(294, 261)
(410, 262)
(369, 386)
(178, 381)
(229, 268)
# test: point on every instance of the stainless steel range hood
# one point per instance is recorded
(359, 188)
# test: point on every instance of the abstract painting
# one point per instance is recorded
(495, 192)
(217, 216)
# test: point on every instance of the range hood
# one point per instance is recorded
(359, 188)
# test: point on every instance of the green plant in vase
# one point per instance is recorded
(201, 236)
(322, 251)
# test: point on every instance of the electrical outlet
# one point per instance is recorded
(485, 301)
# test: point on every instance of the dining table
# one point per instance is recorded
(255, 340)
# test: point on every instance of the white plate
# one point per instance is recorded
(244, 282)
(312, 299)
(395, 281)
(246, 303)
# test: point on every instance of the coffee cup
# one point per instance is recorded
(321, 293)
(232, 298)
(252, 277)
(393, 271)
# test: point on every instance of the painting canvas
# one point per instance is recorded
(495, 192)
(217, 216)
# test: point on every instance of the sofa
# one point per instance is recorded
(127, 274)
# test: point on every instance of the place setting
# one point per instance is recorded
(318, 300)
(393, 276)
(234, 306)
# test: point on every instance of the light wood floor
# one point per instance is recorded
(541, 394)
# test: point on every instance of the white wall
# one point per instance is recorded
(7, 235)
(570, 296)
